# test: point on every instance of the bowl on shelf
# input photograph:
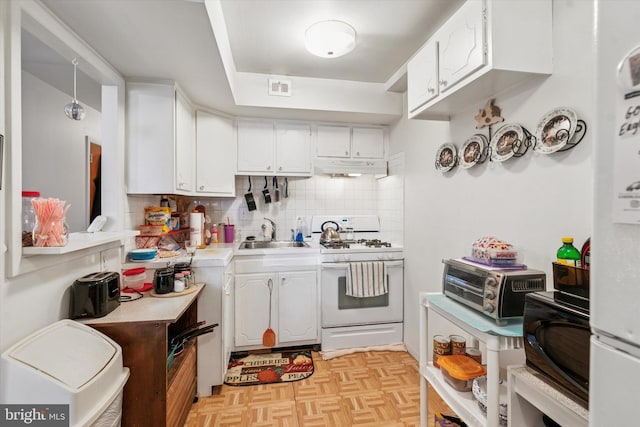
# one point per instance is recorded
(145, 254)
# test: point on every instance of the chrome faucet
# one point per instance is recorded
(273, 228)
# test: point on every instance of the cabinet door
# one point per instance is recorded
(422, 76)
(256, 147)
(227, 318)
(293, 148)
(150, 114)
(185, 144)
(297, 306)
(461, 45)
(368, 143)
(215, 155)
(252, 308)
(333, 141)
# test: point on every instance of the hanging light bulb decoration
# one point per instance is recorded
(74, 110)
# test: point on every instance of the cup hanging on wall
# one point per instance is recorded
(74, 110)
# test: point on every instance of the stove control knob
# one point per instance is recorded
(488, 308)
(489, 295)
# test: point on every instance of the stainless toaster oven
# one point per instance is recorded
(497, 293)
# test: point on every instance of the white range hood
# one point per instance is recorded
(349, 167)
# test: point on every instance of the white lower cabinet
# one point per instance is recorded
(292, 303)
(214, 306)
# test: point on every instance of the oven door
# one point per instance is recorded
(339, 309)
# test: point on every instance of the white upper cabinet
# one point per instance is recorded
(487, 46)
(269, 148)
(185, 144)
(160, 131)
(215, 155)
(461, 45)
(367, 143)
(256, 147)
(346, 142)
(293, 148)
(333, 141)
(422, 76)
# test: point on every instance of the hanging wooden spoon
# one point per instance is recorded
(269, 336)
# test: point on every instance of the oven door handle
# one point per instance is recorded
(334, 265)
(343, 265)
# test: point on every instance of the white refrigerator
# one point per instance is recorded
(614, 387)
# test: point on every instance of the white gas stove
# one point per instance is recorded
(360, 239)
(357, 321)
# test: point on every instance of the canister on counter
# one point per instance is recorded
(221, 238)
(441, 347)
(458, 344)
(474, 353)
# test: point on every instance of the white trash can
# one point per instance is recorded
(67, 363)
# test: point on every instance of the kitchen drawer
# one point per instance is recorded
(267, 263)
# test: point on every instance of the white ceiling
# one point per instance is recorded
(173, 39)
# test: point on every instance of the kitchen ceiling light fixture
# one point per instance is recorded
(330, 39)
(74, 110)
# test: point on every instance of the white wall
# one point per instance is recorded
(530, 201)
(54, 154)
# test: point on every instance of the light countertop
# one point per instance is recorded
(220, 255)
(148, 309)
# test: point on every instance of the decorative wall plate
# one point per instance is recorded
(473, 151)
(555, 129)
(506, 142)
(446, 157)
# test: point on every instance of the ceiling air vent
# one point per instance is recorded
(279, 87)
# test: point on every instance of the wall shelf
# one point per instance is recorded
(80, 241)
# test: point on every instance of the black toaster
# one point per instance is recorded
(95, 295)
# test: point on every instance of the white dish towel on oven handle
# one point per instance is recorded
(367, 279)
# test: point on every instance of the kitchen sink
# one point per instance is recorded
(273, 244)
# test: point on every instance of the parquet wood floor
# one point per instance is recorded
(372, 389)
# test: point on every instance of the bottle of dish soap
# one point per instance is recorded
(299, 230)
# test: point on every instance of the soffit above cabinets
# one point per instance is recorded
(265, 40)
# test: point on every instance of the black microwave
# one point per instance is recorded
(556, 340)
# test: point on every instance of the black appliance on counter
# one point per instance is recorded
(557, 333)
(95, 295)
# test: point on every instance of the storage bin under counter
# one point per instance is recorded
(143, 328)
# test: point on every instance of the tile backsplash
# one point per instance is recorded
(315, 195)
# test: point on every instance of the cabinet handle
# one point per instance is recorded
(202, 187)
(280, 168)
(431, 90)
(346, 153)
(268, 168)
(358, 153)
(443, 82)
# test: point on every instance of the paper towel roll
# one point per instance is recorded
(196, 220)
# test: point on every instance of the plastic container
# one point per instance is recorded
(134, 278)
(568, 254)
(28, 216)
(492, 251)
(459, 371)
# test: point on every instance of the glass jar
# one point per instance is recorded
(28, 216)
(52, 233)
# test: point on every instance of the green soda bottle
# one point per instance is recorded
(568, 254)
